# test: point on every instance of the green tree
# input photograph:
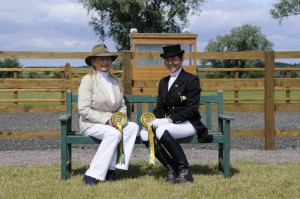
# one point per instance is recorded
(8, 63)
(245, 38)
(284, 9)
(116, 17)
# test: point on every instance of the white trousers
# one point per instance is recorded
(181, 130)
(106, 155)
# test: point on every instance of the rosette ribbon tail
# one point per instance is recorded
(119, 120)
(151, 150)
(120, 154)
(146, 120)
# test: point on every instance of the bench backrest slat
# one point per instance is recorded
(150, 100)
(208, 114)
(69, 100)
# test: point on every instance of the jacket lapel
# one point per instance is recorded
(165, 85)
(177, 82)
(115, 87)
(102, 88)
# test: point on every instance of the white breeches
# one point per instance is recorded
(181, 130)
(106, 155)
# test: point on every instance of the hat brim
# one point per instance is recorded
(171, 54)
(88, 60)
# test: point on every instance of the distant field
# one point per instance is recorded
(257, 94)
(57, 95)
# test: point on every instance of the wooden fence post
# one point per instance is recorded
(16, 94)
(127, 72)
(236, 93)
(269, 100)
(67, 75)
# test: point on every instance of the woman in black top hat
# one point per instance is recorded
(177, 115)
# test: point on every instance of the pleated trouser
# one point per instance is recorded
(106, 155)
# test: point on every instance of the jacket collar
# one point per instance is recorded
(102, 88)
(177, 81)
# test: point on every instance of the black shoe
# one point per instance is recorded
(88, 180)
(166, 160)
(184, 176)
(171, 176)
(110, 176)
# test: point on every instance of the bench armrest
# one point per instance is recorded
(65, 117)
(225, 117)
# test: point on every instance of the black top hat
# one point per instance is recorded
(171, 51)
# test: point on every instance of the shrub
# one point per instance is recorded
(9, 63)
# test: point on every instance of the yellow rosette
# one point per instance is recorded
(146, 119)
(119, 120)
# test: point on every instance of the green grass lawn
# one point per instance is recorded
(32, 95)
(249, 180)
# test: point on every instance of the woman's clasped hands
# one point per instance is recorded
(159, 122)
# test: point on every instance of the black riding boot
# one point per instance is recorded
(110, 176)
(177, 153)
(165, 160)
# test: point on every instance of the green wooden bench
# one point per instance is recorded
(221, 135)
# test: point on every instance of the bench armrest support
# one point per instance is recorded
(224, 120)
(66, 124)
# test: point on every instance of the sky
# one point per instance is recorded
(62, 25)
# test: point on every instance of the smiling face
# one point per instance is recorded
(102, 64)
(173, 64)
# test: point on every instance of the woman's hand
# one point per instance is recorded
(109, 123)
(159, 122)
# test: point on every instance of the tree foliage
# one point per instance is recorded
(245, 38)
(284, 9)
(8, 63)
(115, 18)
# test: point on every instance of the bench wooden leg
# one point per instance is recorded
(66, 160)
(63, 162)
(221, 156)
(69, 158)
(224, 159)
(227, 160)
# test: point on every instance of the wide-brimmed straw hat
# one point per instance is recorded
(171, 51)
(99, 50)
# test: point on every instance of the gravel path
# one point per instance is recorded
(47, 151)
(84, 156)
(48, 121)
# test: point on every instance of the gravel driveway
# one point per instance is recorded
(47, 151)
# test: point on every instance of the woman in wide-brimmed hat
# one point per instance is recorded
(177, 116)
(99, 97)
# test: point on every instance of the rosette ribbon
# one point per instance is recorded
(119, 120)
(146, 119)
